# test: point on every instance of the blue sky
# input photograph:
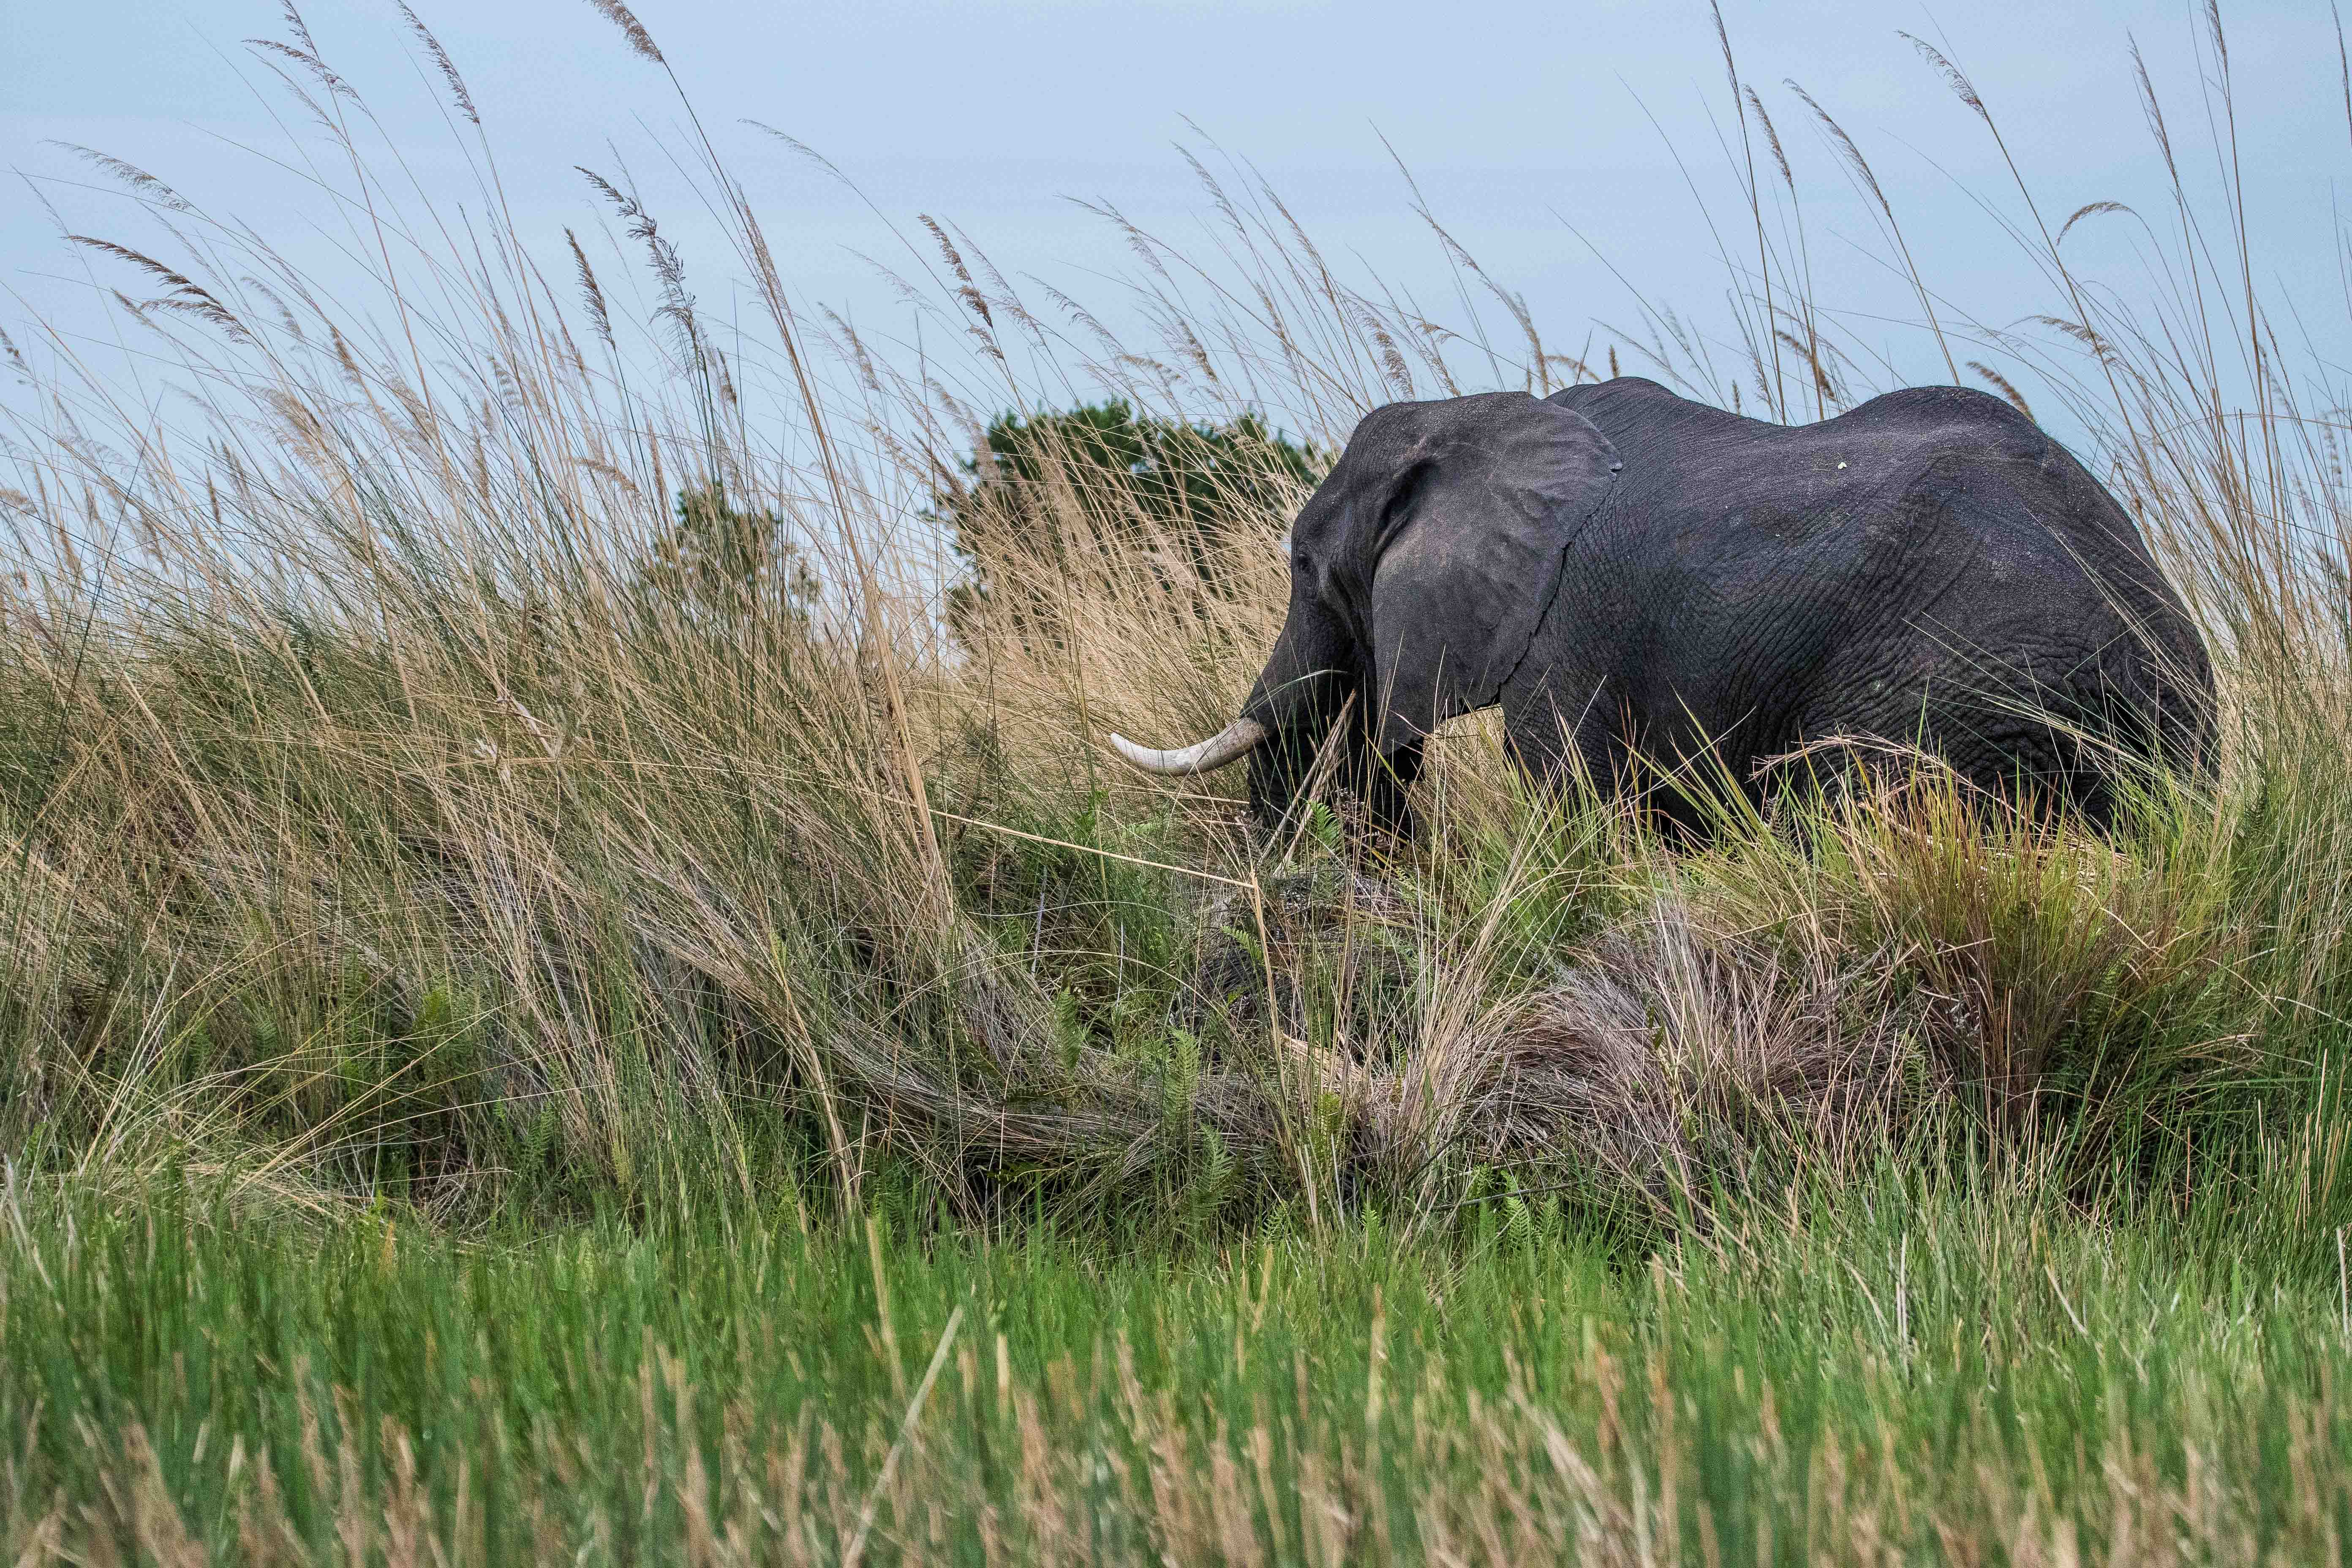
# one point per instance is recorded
(1518, 120)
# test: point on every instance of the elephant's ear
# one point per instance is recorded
(1477, 542)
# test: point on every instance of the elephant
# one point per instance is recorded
(1644, 582)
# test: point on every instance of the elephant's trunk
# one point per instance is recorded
(1235, 741)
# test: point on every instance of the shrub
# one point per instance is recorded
(1107, 480)
(728, 560)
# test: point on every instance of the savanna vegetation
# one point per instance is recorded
(576, 983)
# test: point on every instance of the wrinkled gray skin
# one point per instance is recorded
(1626, 571)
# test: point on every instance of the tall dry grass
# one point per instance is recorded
(376, 829)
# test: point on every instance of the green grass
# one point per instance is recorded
(1915, 1368)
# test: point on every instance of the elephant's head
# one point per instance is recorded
(1419, 571)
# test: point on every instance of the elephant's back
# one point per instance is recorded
(1632, 410)
(1688, 464)
(1903, 497)
(1766, 575)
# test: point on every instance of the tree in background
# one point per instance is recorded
(1106, 478)
(723, 559)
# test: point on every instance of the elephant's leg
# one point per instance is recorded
(1560, 751)
(1599, 758)
(1279, 770)
(2003, 734)
(2032, 759)
(1384, 783)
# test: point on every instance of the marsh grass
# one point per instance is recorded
(426, 927)
(1907, 1364)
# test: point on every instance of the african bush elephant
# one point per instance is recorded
(1631, 575)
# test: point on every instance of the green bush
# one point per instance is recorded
(1107, 480)
(729, 560)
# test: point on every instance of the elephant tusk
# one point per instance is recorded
(1214, 752)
